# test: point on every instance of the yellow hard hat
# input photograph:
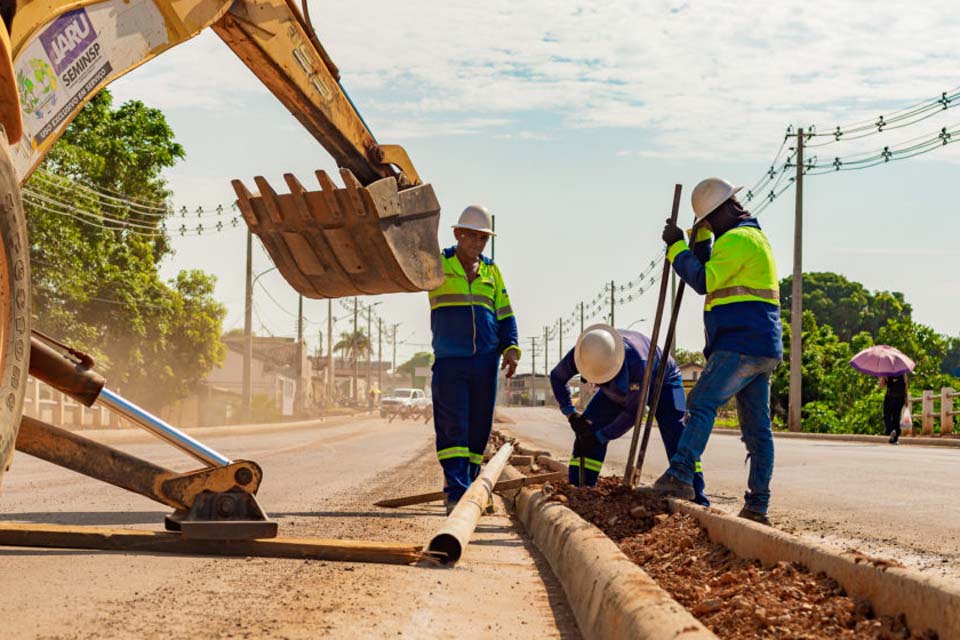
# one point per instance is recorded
(599, 353)
(710, 194)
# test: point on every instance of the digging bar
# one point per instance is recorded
(628, 476)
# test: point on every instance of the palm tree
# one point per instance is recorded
(353, 344)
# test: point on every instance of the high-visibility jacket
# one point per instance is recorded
(624, 389)
(738, 275)
(471, 318)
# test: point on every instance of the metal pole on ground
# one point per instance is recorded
(448, 544)
(796, 301)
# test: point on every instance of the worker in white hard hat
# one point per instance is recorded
(615, 359)
(474, 331)
(741, 312)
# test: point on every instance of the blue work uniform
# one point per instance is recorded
(613, 409)
(472, 324)
(741, 313)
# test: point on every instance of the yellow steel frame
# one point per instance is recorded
(272, 39)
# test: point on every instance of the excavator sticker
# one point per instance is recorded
(67, 61)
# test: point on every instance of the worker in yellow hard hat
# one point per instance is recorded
(474, 331)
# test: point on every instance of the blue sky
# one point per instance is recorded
(572, 121)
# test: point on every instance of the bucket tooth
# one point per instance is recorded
(355, 240)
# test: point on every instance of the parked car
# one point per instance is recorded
(406, 403)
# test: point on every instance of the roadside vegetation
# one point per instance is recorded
(96, 284)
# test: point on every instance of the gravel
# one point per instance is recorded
(735, 598)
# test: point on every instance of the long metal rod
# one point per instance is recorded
(455, 534)
(661, 371)
(654, 337)
(146, 420)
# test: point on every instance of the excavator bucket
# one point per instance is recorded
(347, 241)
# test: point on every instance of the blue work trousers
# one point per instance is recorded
(602, 411)
(464, 394)
(729, 374)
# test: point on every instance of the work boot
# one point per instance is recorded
(894, 437)
(669, 485)
(756, 516)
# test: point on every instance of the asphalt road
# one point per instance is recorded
(893, 501)
(318, 481)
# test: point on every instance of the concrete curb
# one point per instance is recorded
(923, 441)
(611, 597)
(928, 602)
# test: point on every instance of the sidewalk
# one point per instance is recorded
(926, 441)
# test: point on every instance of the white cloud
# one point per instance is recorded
(703, 79)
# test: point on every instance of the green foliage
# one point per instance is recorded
(683, 356)
(847, 307)
(835, 397)
(419, 359)
(353, 345)
(100, 289)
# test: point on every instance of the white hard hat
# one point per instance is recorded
(599, 353)
(710, 194)
(476, 218)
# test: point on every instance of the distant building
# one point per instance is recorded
(690, 372)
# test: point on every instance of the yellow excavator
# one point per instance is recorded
(375, 234)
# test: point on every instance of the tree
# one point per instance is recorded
(353, 345)
(683, 356)
(95, 281)
(847, 307)
(419, 359)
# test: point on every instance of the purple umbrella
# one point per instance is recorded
(881, 360)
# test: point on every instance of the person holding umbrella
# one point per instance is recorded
(892, 366)
(894, 400)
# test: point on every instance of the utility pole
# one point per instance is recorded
(794, 422)
(613, 293)
(300, 391)
(332, 379)
(546, 349)
(560, 348)
(533, 371)
(247, 388)
(581, 317)
(369, 348)
(380, 354)
(356, 363)
(394, 334)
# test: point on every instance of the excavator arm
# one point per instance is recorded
(375, 235)
(63, 51)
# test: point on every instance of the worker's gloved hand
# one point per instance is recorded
(671, 233)
(578, 423)
(587, 441)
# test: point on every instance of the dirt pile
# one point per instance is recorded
(735, 598)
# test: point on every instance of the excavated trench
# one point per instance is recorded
(733, 597)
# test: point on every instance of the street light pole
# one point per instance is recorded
(380, 354)
(356, 363)
(332, 380)
(247, 384)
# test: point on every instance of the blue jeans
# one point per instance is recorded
(731, 374)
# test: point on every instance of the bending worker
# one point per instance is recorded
(473, 326)
(615, 360)
(741, 314)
